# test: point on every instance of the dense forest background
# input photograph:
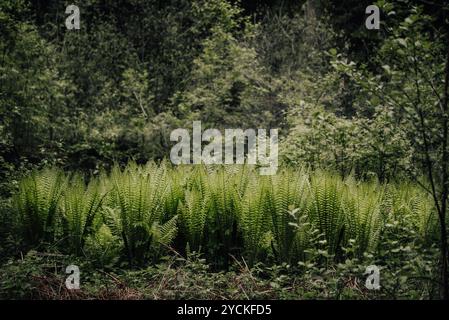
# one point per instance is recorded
(114, 90)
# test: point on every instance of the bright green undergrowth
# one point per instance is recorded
(139, 214)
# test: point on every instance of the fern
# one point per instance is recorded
(79, 208)
(254, 218)
(193, 214)
(220, 211)
(36, 204)
(413, 208)
(176, 184)
(137, 214)
(221, 224)
(287, 204)
(326, 210)
(363, 214)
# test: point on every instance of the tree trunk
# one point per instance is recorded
(445, 187)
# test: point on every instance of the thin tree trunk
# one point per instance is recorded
(445, 187)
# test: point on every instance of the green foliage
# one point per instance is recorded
(402, 98)
(359, 112)
(286, 204)
(193, 215)
(254, 218)
(326, 210)
(36, 205)
(363, 215)
(137, 202)
(219, 212)
(310, 224)
(407, 274)
(223, 187)
(415, 210)
(367, 147)
(230, 82)
(80, 207)
(103, 248)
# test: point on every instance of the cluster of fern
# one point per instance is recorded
(217, 211)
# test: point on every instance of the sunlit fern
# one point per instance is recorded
(326, 209)
(286, 204)
(414, 208)
(221, 224)
(79, 208)
(136, 214)
(363, 214)
(193, 214)
(221, 211)
(36, 204)
(254, 218)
